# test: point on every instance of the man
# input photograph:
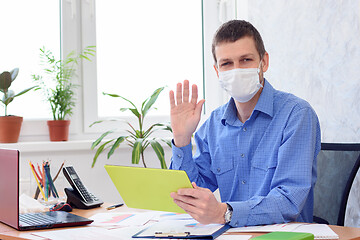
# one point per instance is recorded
(259, 149)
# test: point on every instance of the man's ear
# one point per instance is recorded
(216, 70)
(265, 62)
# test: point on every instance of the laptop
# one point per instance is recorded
(148, 188)
(9, 200)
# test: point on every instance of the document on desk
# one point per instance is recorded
(122, 219)
(182, 229)
(89, 233)
(283, 227)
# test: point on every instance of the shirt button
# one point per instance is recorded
(236, 224)
(242, 155)
(179, 156)
(244, 129)
(218, 170)
(243, 181)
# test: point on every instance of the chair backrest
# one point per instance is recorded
(352, 211)
(335, 165)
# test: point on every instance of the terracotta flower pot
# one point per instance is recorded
(58, 130)
(10, 127)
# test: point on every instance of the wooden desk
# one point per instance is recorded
(8, 233)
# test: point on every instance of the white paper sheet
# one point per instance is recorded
(122, 219)
(181, 226)
(234, 237)
(84, 233)
(284, 227)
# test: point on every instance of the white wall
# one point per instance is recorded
(314, 53)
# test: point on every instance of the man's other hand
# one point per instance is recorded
(201, 204)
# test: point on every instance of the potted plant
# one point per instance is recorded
(9, 125)
(58, 88)
(138, 139)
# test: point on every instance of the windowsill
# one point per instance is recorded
(45, 146)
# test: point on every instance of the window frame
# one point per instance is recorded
(211, 87)
(78, 30)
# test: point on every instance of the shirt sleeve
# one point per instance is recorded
(197, 167)
(294, 176)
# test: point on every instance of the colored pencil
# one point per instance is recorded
(42, 192)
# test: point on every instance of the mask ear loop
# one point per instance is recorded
(258, 70)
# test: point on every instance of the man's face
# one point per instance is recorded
(239, 54)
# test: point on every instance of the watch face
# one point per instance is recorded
(228, 214)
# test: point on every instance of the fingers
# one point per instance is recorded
(196, 192)
(183, 94)
(186, 91)
(185, 199)
(172, 99)
(198, 107)
(190, 209)
(178, 93)
(194, 94)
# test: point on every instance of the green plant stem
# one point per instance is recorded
(140, 126)
(142, 158)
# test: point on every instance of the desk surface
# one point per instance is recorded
(6, 232)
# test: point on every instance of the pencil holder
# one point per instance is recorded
(46, 191)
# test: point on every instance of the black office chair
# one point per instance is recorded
(337, 165)
(350, 216)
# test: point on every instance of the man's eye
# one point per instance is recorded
(225, 64)
(247, 59)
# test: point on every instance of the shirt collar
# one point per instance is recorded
(230, 114)
(265, 104)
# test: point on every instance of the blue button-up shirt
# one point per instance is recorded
(264, 168)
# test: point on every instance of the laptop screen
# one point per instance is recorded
(9, 187)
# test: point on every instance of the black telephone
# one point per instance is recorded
(78, 196)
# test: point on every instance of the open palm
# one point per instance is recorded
(185, 113)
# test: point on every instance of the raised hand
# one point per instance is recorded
(184, 113)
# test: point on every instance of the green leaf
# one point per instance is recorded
(107, 120)
(137, 149)
(115, 145)
(166, 127)
(115, 95)
(24, 91)
(14, 73)
(96, 122)
(97, 141)
(150, 101)
(159, 152)
(5, 80)
(99, 151)
(167, 141)
(135, 112)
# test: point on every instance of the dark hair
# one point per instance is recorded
(233, 30)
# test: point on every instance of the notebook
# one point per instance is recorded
(148, 188)
(9, 200)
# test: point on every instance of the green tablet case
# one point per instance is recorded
(286, 235)
(148, 188)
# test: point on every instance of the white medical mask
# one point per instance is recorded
(241, 83)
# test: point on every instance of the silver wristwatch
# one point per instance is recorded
(228, 214)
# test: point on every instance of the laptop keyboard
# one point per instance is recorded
(36, 219)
